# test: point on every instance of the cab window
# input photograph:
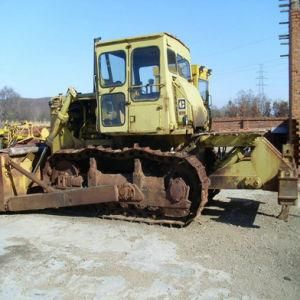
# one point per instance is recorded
(172, 61)
(113, 109)
(184, 69)
(112, 68)
(145, 74)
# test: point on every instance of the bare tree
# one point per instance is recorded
(7, 98)
(15, 108)
(266, 108)
(7, 93)
(280, 108)
(231, 109)
(247, 104)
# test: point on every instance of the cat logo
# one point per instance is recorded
(181, 103)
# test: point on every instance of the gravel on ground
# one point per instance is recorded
(239, 251)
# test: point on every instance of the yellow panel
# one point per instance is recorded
(144, 117)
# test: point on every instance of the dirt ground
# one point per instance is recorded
(239, 251)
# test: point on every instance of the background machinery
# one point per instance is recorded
(21, 133)
(141, 143)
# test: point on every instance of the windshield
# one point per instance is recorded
(145, 74)
(112, 67)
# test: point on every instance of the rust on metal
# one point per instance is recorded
(178, 190)
(66, 175)
(168, 222)
(288, 190)
(58, 199)
(170, 200)
(284, 213)
(11, 163)
(126, 192)
(96, 177)
(1, 184)
(72, 197)
(138, 175)
(164, 193)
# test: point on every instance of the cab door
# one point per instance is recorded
(145, 111)
(112, 89)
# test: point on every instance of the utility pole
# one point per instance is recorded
(292, 40)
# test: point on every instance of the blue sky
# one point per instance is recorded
(47, 46)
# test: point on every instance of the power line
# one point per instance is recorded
(237, 47)
(248, 69)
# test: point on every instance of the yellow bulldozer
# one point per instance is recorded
(140, 145)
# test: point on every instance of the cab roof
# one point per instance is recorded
(139, 38)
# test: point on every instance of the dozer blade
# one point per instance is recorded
(16, 176)
(73, 197)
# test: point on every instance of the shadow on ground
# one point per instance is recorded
(238, 211)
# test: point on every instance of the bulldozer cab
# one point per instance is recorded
(143, 85)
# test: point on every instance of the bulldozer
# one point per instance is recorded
(140, 146)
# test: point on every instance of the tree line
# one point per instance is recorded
(249, 105)
(13, 107)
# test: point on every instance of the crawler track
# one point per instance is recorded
(156, 166)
